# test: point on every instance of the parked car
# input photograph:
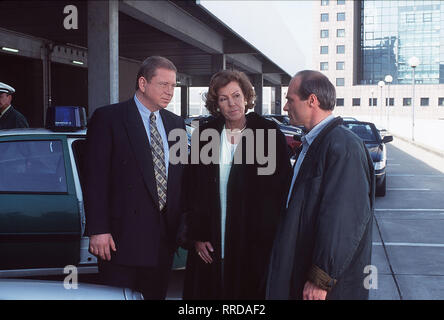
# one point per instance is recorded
(21, 289)
(42, 217)
(376, 145)
(292, 133)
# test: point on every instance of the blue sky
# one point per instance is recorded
(279, 29)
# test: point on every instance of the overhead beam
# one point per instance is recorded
(174, 21)
(246, 61)
(236, 46)
(274, 78)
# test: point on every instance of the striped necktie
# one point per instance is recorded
(158, 161)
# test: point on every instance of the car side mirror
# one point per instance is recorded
(387, 139)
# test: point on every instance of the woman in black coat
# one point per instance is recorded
(235, 201)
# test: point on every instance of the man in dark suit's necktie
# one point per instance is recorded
(158, 161)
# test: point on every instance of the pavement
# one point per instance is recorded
(408, 242)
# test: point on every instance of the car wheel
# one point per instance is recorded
(381, 190)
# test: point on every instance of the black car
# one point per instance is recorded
(376, 145)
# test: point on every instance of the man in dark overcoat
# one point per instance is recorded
(324, 239)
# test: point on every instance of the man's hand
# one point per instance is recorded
(99, 245)
(313, 292)
(202, 249)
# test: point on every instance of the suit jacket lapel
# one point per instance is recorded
(140, 144)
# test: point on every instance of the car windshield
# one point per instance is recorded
(363, 131)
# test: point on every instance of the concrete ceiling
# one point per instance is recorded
(179, 30)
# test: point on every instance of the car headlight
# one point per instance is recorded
(379, 165)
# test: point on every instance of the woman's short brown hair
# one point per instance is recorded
(220, 80)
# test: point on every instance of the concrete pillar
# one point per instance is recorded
(258, 84)
(103, 53)
(218, 63)
(277, 100)
(184, 101)
(46, 60)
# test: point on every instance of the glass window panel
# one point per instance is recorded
(32, 166)
(324, 33)
(340, 65)
(340, 102)
(340, 33)
(340, 49)
(341, 16)
(324, 17)
(340, 82)
(324, 49)
(324, 65)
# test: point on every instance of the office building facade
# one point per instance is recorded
(358, 44)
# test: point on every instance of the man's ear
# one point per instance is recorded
(142, 83)
(313, 100)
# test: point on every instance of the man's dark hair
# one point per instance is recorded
(150, 65)
(314, 82)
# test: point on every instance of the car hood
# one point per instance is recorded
(21, 289)
(375, 151)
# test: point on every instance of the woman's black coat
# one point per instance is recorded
(254, 203)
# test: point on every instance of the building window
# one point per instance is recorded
(340, 16)
(391, 101)
(369, 35)
(356, 102)
(340, 49)
(340, 33)
(410, 18)
(440, 102)
(341, 2)
(373, 102)
(324, 33)
(324, 49)
(406, 102)
(340, 65)
(324, 2)
(324, 65)
(324, 17)
(424, 102)
(340, 82)
(340, 102)
(427, 17)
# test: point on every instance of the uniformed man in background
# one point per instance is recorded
(10, 118)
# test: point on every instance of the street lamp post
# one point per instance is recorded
(381, 85)
(413, 62)
(388, 79)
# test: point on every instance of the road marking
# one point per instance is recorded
(415, 210)
(407, 189)
(415, 175)
(409, 244)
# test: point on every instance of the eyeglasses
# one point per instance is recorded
(166, 85)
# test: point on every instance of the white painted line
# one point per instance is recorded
(407, 189)
(415, 175)
(415, 210)
(409, 244)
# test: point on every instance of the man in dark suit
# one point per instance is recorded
(10, 118)
(132, 195)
